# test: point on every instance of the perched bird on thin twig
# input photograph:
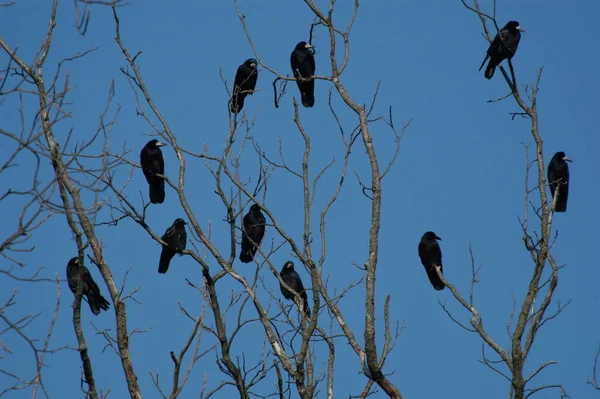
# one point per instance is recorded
(303, 66)
(558, 175)
(176, 238)
(293, 280)
(152, 162)
(431, 256)
(77, 273)
(502, 47)
(245, 82)
(253, 226)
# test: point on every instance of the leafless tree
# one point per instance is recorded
(533, 313)
(90, 187)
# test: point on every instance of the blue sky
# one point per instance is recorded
(460, 172)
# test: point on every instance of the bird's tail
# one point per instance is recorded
(561, 203)
(165, 260)
(157, 191)
(489, 71)
(246, 256)
(237, 102)
(97, 303)
(563, 195)
(248, 251)
(434, 278)
(561, 208)
(306, 306)
(308, 94)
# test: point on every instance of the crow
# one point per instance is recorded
(303, 66)
(89, 287)
(502, 47)
(245, 82)
(431, 256)
(558, 173)
(176, 238)
(152, 162)
(253, 227)
(292, 279)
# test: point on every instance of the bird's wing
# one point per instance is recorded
(89, 285)
(422, 251)
(181, 240)
(239, 78)
(298, 286)
(158, 165)
(169, 234)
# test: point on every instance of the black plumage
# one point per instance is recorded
(303, 66)
(151, 159)
(245, 82)
(253, 232)
(293, 280)
(558, 174)
(431, 256)
(89, 289)
(176, 238)
(503, 47)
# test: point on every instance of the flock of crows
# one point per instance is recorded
(302, 62)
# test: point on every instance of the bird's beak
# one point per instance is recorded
(253, 65)
(520, 29)
(567, 159)
(160, 144)
(438, 238)
(309, 46)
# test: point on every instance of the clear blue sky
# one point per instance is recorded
(460, 173)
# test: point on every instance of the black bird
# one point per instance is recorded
(292, 279)
(176, 238)
(558, 173)
(89, 289)
(245, 82)
(502, 48)
(303, 65)
(152, 162)
(431, 256)
(253, 231)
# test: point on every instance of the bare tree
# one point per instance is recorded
(533, 313)
(293, 353)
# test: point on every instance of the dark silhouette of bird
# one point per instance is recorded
(253, 232)
(503, 47)
(293, 280)
(245, 82)
(303, 66)
(431, 256)
(89, 287)
(176, 238)
(151, 159)
(558, 174)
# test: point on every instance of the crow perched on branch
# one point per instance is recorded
(558, 174)
(431, 256)
(253, 226)
(303, 66)
(151, 159)
(503, 47)
(176, 238)
(293, 280)
(244, 84)
(89, 289)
